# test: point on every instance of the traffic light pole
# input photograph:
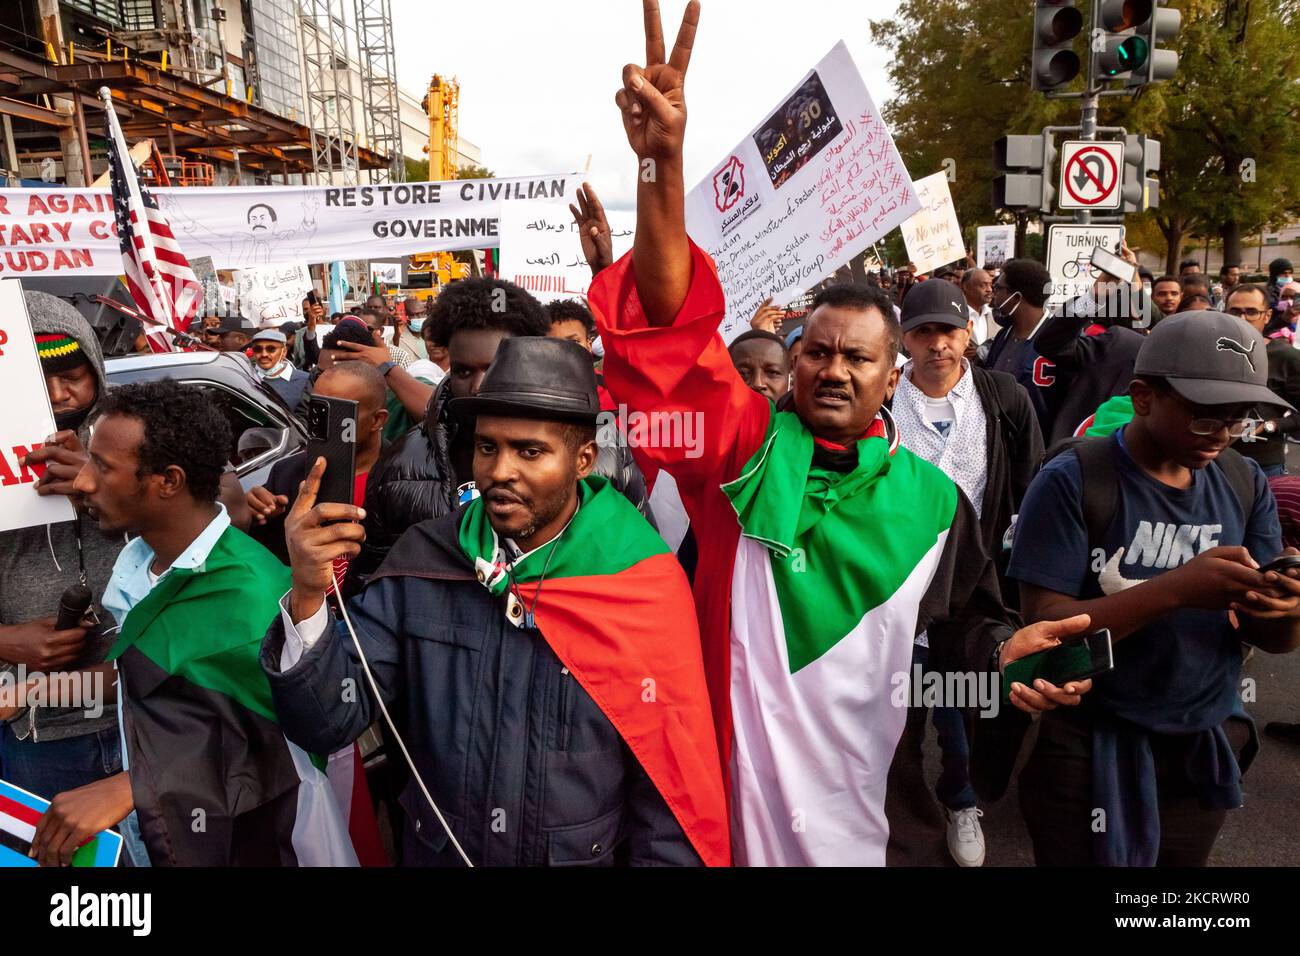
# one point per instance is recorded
(1088, 105)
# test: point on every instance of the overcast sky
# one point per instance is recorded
(537, 77)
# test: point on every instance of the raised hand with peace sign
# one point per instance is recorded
(653, 105)
(652, 99)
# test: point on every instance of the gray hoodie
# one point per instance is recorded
(38, 564)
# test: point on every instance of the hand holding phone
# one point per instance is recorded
(332, 435)
(1073, 660)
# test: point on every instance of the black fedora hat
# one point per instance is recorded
(536, 377)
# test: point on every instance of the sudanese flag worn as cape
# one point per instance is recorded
(614, 605)
(214, 780)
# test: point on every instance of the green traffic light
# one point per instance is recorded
(1130, 55)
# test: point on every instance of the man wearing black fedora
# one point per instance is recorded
(537, 648)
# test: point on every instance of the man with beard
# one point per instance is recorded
(49, 749)
(825, 548)
(271, 364)
(551, 717)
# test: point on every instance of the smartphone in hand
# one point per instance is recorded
(332, 435)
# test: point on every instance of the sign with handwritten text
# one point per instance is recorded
(933, 235)
(27, 421)
(273, 294)
(541, 250)
(813, 185)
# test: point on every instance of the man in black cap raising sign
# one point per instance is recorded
(552, 715)
(1160, 533)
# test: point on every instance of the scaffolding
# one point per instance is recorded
(328, 82)
(379, 86)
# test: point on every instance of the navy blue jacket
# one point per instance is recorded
(525, 767)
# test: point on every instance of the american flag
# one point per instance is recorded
(159, 276)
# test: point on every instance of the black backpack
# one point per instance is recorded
(1101, 486)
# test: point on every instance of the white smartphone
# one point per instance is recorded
(1106, 261)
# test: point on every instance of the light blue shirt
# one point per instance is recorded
(132, 581)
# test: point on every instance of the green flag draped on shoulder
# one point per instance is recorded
(214, 780)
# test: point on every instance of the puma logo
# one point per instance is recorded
(1226, 344)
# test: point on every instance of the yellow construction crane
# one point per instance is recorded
(441, 105)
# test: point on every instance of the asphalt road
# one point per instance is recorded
(1265, 832)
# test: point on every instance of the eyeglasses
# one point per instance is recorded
(265, 349)
(1236, 427)
(1206, 425)
(1247, 314)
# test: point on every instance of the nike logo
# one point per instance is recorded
(1110, 580)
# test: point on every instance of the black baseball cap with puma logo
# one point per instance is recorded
(1210, 358)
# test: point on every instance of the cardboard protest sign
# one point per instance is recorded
(541, 249)
(273, 294)
(812, 186)
(27, 420)
(21, 811)
(994, 245)
(71, 231)
(933, 235)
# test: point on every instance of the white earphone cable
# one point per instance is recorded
(379, 699)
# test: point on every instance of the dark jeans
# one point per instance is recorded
(954, 789)
(1056, 797)
(1274, 471)
(49, 767)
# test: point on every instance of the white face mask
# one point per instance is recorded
(1009, 305)
(388, 335)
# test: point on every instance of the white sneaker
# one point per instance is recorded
(965, 838)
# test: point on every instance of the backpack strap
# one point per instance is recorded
(1242, 479)
(1100, 486)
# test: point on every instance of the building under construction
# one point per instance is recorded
(228, 91)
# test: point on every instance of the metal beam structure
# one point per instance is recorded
(160, 105)
(328, 82)
(379, 86)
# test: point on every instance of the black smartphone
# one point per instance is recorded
(1077, 659)
(1282, 563)
(332, 435)
(312, 297)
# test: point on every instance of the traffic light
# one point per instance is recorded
(1119, 49)
(1056, 24)
(1160, 27)
(1141, 191)
(1024, 167)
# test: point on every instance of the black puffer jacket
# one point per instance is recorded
(414, 480)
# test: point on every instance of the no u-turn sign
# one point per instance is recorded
(1091, 174)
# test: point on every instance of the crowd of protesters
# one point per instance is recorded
(493, 654)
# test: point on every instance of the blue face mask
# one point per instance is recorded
(1282, 280)
(416, 325)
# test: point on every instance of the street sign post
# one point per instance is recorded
(1069, 257)
(1091, 175)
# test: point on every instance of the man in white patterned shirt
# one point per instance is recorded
(979, 428)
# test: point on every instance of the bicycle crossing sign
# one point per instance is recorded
(1069, 257)
(1091, 174)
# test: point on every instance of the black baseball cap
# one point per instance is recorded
(1209, 358)
(935, 300)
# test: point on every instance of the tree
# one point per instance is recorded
(961, 71)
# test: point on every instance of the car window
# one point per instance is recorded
(254, 433)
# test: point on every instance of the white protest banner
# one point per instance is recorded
(994, 245)
(541, 250)
(933, 235)
(813, 185)
(71, 231)
(273, 293)
(27, 420)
